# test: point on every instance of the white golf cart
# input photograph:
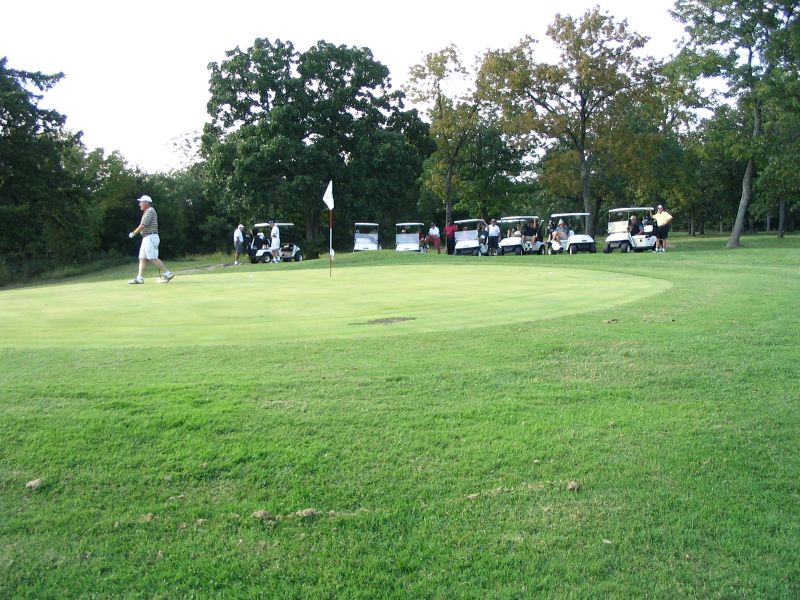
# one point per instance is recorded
(471, 237)
(407, 236)
(258, 246)
(515, 241)
(619, 235)
(573, 242)
(366, 237)
(288, 251)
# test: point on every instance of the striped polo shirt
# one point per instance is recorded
(149, 222)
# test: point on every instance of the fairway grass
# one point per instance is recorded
(570, 426)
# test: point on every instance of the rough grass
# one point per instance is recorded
(645, 448)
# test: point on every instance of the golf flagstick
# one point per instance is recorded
(328, 200)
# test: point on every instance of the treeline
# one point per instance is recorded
(604, 126)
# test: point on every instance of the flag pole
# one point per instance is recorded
(328, 200)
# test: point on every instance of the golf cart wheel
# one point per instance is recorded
(298, 257)
(572, 249)
(541, 250)
(501, 251)
(476, 252)
(607, 249)
(593, 249)
(518, 251)
(625, 248)
(263, 258)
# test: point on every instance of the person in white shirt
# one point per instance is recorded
(238, 244)
(493, 232)
(435, 237)
(275, 242)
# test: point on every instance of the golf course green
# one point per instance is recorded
(407, 426)
(227, 305)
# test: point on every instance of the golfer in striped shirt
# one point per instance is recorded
(148, 228)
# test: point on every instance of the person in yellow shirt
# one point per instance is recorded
(663, 219)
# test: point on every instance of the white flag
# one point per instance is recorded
(333, 253)
(328, 197)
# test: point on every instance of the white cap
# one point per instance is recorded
(145, 198)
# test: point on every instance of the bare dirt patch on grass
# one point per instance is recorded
(385, 321)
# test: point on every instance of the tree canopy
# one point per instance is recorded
(284, 123)
(567, 103)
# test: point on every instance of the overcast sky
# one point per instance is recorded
(136, 76)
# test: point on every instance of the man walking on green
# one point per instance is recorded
(148, 251)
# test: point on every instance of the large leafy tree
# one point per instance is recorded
(283, 123)
(736, 39)
(474, 168)
(40, 197)
(440, 84)
(490, 173)
(566, 103)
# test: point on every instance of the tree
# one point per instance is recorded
(40, 196)
(565, 103)
(778, 183)
(439, 83)
(489, 172)
(283, 123)
(736, 39)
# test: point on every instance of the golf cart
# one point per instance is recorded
(407, 236)
(471, 237)
(619, 235)
(288, 251)
(366, 237)
(258, 246)
(572, 242)
(515, 241)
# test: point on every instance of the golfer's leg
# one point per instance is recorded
(159, 265)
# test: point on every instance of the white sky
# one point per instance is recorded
(136, 77)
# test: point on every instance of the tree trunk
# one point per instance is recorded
(747, 182)
(312, 224)
(586, 191)
(781, 217)
(741, 215)
(448, 192)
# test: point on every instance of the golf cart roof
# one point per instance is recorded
(519, 219)
(468, 221)
(572, 214)
(276, 223)
(367, 224)
(631, 209)
(409, 224)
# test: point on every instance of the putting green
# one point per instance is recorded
(274, 304)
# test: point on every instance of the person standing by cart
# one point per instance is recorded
(238, 244)
(493, 232)
(663, 219)
(450, 235)
(435, 237)
(148, 251)
(275, 242)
